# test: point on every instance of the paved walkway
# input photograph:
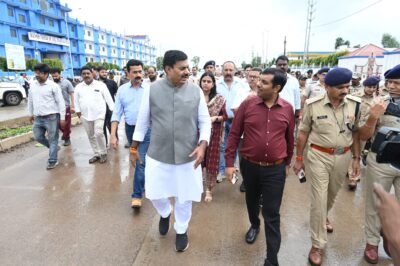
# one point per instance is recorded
(79, 214)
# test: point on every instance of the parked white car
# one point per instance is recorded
(11, 92)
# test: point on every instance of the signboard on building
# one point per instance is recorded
(15, 56)
(33, 36)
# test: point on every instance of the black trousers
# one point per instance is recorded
(107, 125)
(269, 182)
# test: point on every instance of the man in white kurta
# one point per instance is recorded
(181, 127)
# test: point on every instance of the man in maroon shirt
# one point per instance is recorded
(267, 122)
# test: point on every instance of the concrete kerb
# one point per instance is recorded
(14, 141)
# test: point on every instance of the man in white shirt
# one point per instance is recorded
(91, 97)
(181, 127)
(290, 92)
(228, 87)
(252, 79)
(47, 109)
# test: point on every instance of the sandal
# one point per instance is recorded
(208, 197)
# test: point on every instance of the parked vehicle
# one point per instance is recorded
(11, 92)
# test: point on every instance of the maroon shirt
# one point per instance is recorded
(268, 132)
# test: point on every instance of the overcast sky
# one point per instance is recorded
(231, 30)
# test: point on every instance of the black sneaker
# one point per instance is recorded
(242, 187)
(163, 226)
(94, 159)
(51, 165)
(103, 158)
(67, 142)
(182, 242)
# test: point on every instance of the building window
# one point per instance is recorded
(87, 59)
(21, 18)
(89, 33)
(90, 47)
(24, 38)
(75, 58)
(62, 13)
(51, 22)
(41, 20)
(113, 40)
(85, 45)
(123, 52)
(113, 51)
(23, 1)
(51, 5)
(122, 43)
(102, 37)
(10, 11)
(131, 54)
(130, 45)
(73, 43)
(13, 32)
(91, 59)
(103, 49)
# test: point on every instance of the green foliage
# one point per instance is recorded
(326, 60)
(159, 62)
(106, 65)
(10, 132)
(339, 42)
(3, 63)
(53, 63)
(388, 41)
(256, 61)
(30, 63)
(195, 60)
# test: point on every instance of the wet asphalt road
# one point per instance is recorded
(79, 214)
(12, 112)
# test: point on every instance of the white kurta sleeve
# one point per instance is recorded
(204, 122)
(143, 120)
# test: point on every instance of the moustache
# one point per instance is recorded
(138, 78)
(185, 76)
(343, 94)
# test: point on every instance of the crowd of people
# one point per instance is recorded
(187, 128)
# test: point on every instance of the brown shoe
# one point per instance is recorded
(315, 256)
(136, 203)
(329, 227)
(371, 254)
(385, 244)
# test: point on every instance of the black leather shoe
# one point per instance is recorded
(242, 187)
(163, 226)
(251, 235)
(267, 263)
(182, 242)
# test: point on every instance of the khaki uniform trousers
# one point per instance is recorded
(327, 173)
(387, 176)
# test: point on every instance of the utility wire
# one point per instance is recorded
(352, 14)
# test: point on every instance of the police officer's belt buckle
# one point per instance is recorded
(339, 151)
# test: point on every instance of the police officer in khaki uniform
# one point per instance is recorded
(355, 84)
(379, 116)
(367, 96)
(317, 88)
(329, 129)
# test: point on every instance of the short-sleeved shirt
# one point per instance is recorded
(314, 90)
(355, 89)
(329, 127)
(66, 89)
(366, 102)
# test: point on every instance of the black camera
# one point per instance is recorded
(386, 145)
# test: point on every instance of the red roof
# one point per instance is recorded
(367, 50)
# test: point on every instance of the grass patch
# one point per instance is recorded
(10, 132)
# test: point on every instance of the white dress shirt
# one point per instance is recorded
(291, 92)
(91, 100)
(45, 99)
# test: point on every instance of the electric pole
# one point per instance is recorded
(310, 13)
(284, 46)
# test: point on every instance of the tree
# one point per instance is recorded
(53, 63)
(159, 62)
(31, 63)
(195, 60)
(243, 64)
(256, 61)
(388, 41)
(357, 46)
(339, 42)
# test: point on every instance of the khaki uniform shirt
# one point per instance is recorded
(329, 127)
(366, 102)
(314, 90)
(355, 89)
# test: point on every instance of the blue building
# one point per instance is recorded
(45, 30)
